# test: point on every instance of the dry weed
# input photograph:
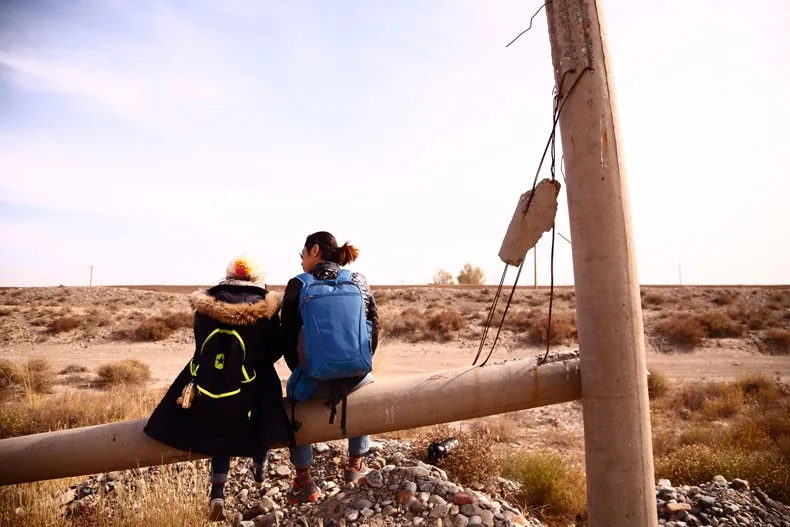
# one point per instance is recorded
(124, 372)
(653, 300)
(549, 485)
(154, 328)
(692, 464)
(720, 325)
(682, 329)
(520, 320)
(657, 383)
(62, 324)
(472, 461)
(444, 325)
(406, 326)
(777, 340)
(31, 378)
(82, 408)
(73, 368)
(563, 329)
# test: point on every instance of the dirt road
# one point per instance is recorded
(166, 359)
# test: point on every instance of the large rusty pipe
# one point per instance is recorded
(397, 403)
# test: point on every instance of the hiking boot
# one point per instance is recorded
(216, 510)
(354, 474)
(303, 493)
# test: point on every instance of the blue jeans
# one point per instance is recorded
(302, 455)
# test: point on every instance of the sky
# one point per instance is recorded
(154, 140)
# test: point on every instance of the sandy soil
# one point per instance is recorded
(167, 358)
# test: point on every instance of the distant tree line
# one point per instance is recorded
(468, 276)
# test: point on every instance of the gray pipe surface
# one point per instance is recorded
(397, 403)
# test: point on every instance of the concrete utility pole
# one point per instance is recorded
(619, 453)
(90, 283)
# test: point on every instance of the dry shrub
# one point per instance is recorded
(777, 424)
(61, 324)
(77, 409)
(444, 325)
(727, 403)
(664, 441)
(698, 434)
(472, 461)
(653, 300)
(154, 328)
(563, 329)
(177, 320)
(720, 325)
(73, 368)
(409, 295)
(4, 312)
(536, 301)
(682, 329)
(549, 485)
(692, 464)
(9, 379)
(407, 326)
(125, 372)
(38, 376)
(520, 320)
(500, 429)
(753, 319)
(760, 389)
(693, 397)
(567, 296)
(777, 340)
(166, 498)
(722, 298)
(97, 318)
(657, 383)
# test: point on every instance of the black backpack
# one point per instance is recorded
(221, 371)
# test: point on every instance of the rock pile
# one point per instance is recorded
(404, 492)
(719, 503)
(400, 491)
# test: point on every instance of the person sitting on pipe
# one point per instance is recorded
(330, 333)
(228, 399)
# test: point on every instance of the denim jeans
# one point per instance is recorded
(302, 455)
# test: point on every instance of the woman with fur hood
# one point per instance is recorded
(228, 399)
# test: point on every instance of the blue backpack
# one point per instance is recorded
(335, 339)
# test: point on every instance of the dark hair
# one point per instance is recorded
(327, 244)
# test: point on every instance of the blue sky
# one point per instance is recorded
(155, 139)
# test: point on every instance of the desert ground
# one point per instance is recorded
(749, 332)
(695, 337)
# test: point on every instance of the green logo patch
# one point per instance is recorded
(219, 361)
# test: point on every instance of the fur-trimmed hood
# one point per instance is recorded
(236, 314)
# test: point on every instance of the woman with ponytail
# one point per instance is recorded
(323, 258)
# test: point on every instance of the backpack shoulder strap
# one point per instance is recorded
(305, 278)
(344, 275)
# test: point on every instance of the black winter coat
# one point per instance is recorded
(253, 313)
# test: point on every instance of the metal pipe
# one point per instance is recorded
(397, 403)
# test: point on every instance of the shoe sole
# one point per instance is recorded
(309, 499)
(217, 511)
